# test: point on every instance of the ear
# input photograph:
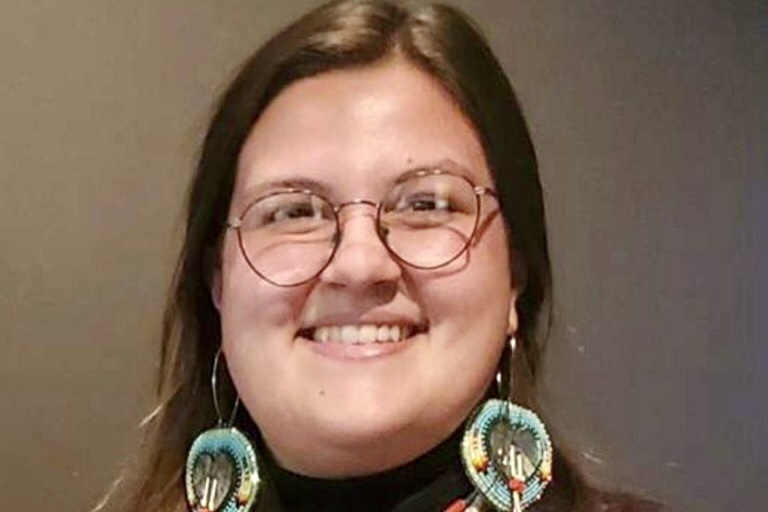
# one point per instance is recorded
(215, 286)
(213, 278)
(512, 315)
(518, 282)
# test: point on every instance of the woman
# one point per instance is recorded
(365, 253)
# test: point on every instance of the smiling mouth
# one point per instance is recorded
(364, 334)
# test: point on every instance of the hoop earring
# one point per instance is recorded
(221, 473)
(507, 452)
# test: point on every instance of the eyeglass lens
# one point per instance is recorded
(426, 221)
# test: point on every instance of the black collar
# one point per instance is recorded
(428, 484)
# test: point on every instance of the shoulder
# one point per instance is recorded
(602, 501)
(573, 493)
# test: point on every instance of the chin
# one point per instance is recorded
(365, 420)
(364, 446)
(362, 411)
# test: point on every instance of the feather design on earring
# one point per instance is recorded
(507, 453)
(222, 472)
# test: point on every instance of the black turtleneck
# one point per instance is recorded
(428, 484)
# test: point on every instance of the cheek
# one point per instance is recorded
(478, 286)
(258, 326)
(248, 301)
(490, 259)
(469, 313)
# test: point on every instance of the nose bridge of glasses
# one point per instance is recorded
(373, 214)
(356, 202)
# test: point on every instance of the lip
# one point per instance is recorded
(362, 351)
(379, 318)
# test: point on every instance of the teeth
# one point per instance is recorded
(367, 334)
(361, 334)
(349, 334)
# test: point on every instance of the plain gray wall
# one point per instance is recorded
(651, 121)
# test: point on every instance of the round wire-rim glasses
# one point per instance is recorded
(477, 191)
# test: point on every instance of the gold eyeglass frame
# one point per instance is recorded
(478, 190)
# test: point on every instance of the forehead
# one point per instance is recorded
(356, 131)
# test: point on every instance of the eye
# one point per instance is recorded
(423, 202)
(420, 210)
(298, 209)
(290, 212)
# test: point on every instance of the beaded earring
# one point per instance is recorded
(507, 453)
(221, 473)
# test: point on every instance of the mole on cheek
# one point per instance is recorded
(321, 392)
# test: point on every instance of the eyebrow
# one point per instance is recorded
(444, 164)
(324, 189)
(298, 183)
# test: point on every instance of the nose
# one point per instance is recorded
(361, 258)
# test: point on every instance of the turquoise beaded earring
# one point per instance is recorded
(507, 453)
(221, 474)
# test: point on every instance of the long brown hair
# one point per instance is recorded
(441, 41)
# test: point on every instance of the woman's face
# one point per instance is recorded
(334, 409)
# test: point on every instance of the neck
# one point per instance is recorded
(330, 461)
(429, 482)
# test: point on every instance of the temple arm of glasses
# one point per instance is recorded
(481, 191)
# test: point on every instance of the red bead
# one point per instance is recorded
(457, 506)
(516, 485)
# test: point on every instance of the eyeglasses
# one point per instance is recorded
(426, 221)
